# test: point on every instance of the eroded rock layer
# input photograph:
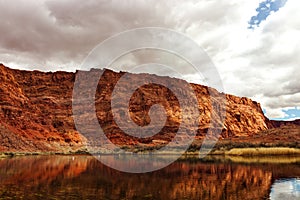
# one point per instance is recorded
(36, 111)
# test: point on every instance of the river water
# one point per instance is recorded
(84, 177)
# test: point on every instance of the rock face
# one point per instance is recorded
(36, 111)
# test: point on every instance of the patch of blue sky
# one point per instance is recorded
(264, 9)
(291, 114)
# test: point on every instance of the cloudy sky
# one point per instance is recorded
(254, 44)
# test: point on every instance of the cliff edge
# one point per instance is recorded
(36, 111)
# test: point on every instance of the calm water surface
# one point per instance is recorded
(83, 177)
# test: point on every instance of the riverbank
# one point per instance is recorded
(240, 152)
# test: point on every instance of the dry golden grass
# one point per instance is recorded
(265, 159)
(263, 151)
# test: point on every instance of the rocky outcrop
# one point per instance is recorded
(36, 111)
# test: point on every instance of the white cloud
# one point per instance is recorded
(264, 63)
(276, 113)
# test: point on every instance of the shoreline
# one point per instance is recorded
(239, 152)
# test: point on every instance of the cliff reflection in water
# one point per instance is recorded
(83, 177)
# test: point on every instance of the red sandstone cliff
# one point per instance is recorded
(36, 111)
